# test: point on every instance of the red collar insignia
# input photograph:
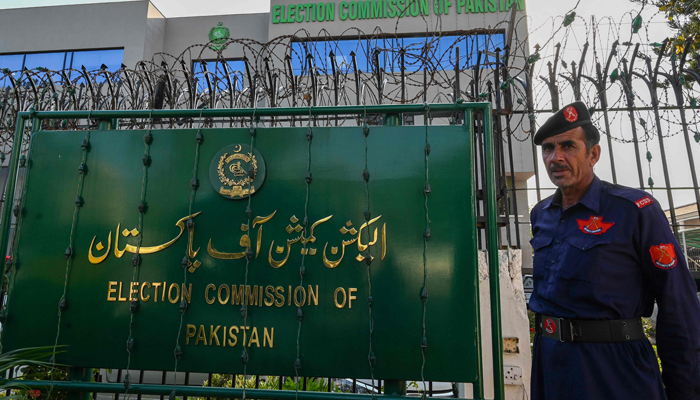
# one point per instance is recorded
(594, 225)
(664, 256)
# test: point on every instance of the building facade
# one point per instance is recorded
(298, 54)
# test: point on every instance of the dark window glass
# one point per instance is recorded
(13, 63)
(217, 74)
(52, 61)
(93, 60)
(342, 51)
(415, 58)
(487, 44)
(298, 53)
(446, 51)
(439, 55)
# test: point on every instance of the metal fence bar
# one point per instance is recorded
(469, 126)
(492, 243)
(202, 391)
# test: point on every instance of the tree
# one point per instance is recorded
(684, 18)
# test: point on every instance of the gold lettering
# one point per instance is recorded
(252, 295)
(244, 329)
(163, 295)
(187, 293)
(279, 294)
(235, 338)
(289, 296)
(269, 295)
(143, 285)
(156, 285)
(335, 297)
(201, 336)
(351, 297)
(133, 291)
(311, 237)
(298, 302)
(237, 296)
(151, 249)
(363, 247)
(244, 241)
(254, 338)
(170, 293)
(223, 300)
(120, 298)
(383, 241)
(206, 293)
(111, 290)
(224, 339)
(214, 335)
(260, 221)
(268, 338)
(191, 331)
(313, 296)
(97, 260)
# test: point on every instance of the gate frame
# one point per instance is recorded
(78, 384)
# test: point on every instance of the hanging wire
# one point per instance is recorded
(371, 357)
(186, 261)
(249, 251)
(136, 259)
(63, 303)
(304, 241)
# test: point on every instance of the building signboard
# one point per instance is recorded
(184, 236)
(382, 9)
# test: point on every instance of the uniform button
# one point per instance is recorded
(562, 221)
(558, 241)
(553, 262)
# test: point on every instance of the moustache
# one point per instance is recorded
(557, 167)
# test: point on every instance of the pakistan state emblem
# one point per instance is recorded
(218, 36)
(237, 171)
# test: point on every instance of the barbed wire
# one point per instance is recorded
(307, 69)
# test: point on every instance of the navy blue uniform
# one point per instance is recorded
(609, 257)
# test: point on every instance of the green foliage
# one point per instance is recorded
(28, 362)
(683, 16)
(270, 383)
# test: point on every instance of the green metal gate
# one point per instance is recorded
(253, 250)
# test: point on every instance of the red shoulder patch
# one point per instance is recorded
(643, 202)
(594, 225)
(664, 256)
(570, 114)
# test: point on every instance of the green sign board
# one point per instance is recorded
(383, 9)
(251, 197)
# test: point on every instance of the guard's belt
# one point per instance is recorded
(596, 331)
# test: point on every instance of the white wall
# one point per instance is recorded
(76, 27)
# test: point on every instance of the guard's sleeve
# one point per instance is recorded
(678, 322)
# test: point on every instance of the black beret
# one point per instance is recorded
(569, 117)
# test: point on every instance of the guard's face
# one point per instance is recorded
(568, 163)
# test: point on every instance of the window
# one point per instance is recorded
(93, 60)
(439, 54)
(60, 60)
(217, 74)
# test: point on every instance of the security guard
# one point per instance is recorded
(603, 254)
